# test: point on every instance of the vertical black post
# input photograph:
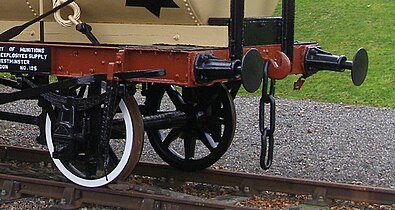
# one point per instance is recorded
(236, 29)
(42, 31)
(288, 14)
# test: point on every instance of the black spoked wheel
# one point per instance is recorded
(203, 136)
(74, 140)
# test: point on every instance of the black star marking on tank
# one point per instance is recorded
(154, 6)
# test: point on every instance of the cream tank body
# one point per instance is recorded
(113, 22)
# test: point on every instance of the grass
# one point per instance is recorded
(341, 27)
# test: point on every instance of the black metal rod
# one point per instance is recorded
(141, 73)
(288, 14)
(33, 92)
(42, 31)
(236, 29)
(166, 120)
(9, 83)
(20, 118)
(60, 6)
(15, 31)
(87, 31)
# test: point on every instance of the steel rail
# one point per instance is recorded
(253, 182)
(72, 196)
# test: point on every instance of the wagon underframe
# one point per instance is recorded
(94, 127)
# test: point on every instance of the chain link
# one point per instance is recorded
(267, 133)
(106, 121)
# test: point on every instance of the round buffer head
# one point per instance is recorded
(252, 70)
(359, 67)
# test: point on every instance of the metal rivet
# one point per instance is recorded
(171, 181)
(176, 37)
(321, 198)
(246, 190)
(3, 192)
(63, 201)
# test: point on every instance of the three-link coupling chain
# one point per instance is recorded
(267, 132)
(110, 104)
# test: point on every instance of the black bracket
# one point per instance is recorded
(209, 68)
(87, 31)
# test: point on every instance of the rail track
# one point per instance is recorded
(120, 195)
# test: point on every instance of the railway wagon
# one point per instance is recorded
(86, 61)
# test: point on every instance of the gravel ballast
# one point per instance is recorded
(320, 141)
(313, 140)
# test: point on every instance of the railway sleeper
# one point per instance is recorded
(71, 199)
(10, 190)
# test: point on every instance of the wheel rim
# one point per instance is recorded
(132, 123)
(201, 141)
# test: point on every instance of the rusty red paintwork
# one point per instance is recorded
(80, 60)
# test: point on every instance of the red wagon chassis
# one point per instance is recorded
(177, 61)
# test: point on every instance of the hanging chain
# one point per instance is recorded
(267, 133)
(107, 114)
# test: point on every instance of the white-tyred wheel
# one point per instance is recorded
(125, 145)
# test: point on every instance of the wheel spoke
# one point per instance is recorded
(207, 102)
(90, 168)
(189, 145)
(214, 120)
(116, 110)
(78, 172)
(208, 141)
(81, 92)
(118, 129)
(175, 97)
(172, 136)
(113, 161)
(118, 134)
(214, 125)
